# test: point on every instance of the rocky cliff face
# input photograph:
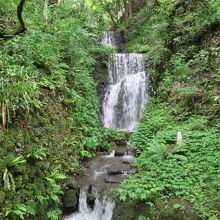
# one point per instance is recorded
(101, 77)
(100, 73)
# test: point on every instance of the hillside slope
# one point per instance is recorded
(49, 105)
(181, 40)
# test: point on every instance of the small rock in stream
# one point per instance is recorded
(91, 196)
(102, 153)
(82, 168)
(114, 172)
(126, 162)
(119, 152)
(112, 180)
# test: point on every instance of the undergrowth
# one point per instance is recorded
(189, 171)
(180, 40)
(49, 107)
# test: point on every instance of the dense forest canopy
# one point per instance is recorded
(50, 107)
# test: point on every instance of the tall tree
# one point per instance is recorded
(108, 8)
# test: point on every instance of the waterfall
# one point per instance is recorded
(126, 95)
(102, 210)
(112, 154)
(123, 103)
(109, 38)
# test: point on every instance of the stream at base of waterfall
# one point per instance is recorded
(124, 101)
(99, 174)
(102, 210)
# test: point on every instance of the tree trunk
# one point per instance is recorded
(59, 2)
(110, 14)
(20, 18)
(126, 11)
(45, 11)
(130, 9)
(4, 116)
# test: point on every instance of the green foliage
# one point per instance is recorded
(142, 218)
(48, 98)
(181, 40)
(39, 154)
(19, 211)
(188, 170)
(112, 138)
(8, 180)
(53, 215)
(49, 102)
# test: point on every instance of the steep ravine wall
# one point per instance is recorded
(100, 73)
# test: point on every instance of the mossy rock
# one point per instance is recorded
(129, 210)
(70, 200)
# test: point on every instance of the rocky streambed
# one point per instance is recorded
(92, 198)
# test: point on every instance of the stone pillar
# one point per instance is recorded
(179, 138)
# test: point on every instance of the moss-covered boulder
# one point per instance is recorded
(70, 200)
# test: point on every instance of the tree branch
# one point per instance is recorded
(110, 14)
(20, 18)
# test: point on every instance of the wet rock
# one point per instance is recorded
(70, 200)
(112, 171)
(129, 210)
(71, 184)
(112, 180)
(76, 172)
(82, 169)
(120, 151)
(100, 75)
(127, 162)
(101, 152)
(133, 171)
(91, 196)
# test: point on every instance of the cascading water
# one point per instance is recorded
(102, 210)
(122, 106)
(109, 38)
(126, 94)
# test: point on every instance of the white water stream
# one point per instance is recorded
(109, 39)
(102, 210)
(126, 95)
(122, 106)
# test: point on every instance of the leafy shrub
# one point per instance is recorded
(49, 107)
(187, 171)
